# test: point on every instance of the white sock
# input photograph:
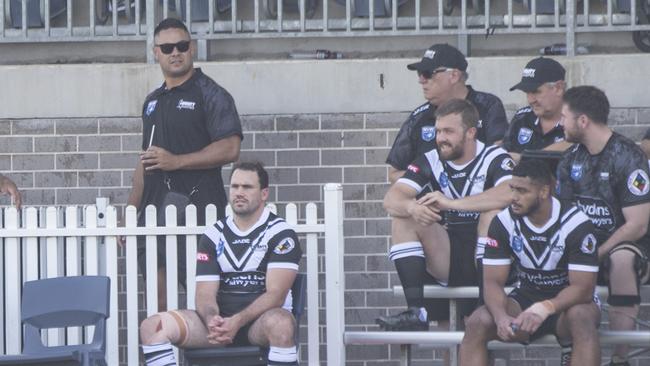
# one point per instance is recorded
(283, 356)
(161, 354)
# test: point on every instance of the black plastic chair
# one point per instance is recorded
(249, 355)
(58, 303)
(35, 12)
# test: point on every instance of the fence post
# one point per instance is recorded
(335, 278)
(151, 20)
(13, 328)
(571, 16)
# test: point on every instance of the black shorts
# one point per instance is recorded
(527, 298)
(462, 272)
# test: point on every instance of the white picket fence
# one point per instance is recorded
(68, 241)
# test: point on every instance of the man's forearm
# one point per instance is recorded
(572, 295)
(628, 232)
(137, 186)
(494, 198)
(266, 301)
(216, 154)
(394, 174)
(495, 300)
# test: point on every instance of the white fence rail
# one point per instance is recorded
(67, 241)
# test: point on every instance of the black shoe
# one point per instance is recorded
(408, 320)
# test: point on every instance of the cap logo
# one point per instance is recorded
(528, 73)
(429, 54)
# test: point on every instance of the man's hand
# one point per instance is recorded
(534, 316)
(7, 186)
(436, 199)
(504, 328)
(223, 330)
(423, 215)
(158, 158)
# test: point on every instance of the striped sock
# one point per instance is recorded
(279, 356)
(161, 354)
(411, 269)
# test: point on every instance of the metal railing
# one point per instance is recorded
(70, 241)
(134, 20)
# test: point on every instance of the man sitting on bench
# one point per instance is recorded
(246, 265)
(467, 179)
(555, 251)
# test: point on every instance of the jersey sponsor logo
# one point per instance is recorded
(517, 244)
(479, 178)
(604, 175)
(241, 241)
(220, 246)
(528, 73)
(524, 136)
(421, 109)
(492, 243)
(428, 133)
(429, 54)
(576, 172)
(588, 245)
(459, 175)
(202, 257)
(443, 180)
(598, 211)
(538, 238)
(183, 104)
(414, 168)
(285, 246)
(507, 164)
(151, 107)
(637, 182)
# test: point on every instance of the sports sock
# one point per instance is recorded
(565, 355)
(279, 356)
(411, 269)
(161, 354)
(481, 242)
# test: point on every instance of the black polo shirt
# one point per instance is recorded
(187, 118)
(525, 133)
(418, 135)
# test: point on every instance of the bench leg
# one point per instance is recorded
(405, 355)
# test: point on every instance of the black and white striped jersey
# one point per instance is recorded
(544, 256)
(491, 166)
(239, 260)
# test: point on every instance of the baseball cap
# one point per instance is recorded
(440, 55)
(537, 72)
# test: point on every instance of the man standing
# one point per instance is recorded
(606, 175)
(554, 250)
(246, 265)
(538, 126)
(190, 129)
(467, 179)
(442, 74)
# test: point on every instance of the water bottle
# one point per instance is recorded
(315, 55)
(560, 49)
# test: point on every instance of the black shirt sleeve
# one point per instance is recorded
(221, 117)
(286, 251)
(497, 248)
(633, 182)
(207, 267)
(500, 169)
(418, 174)
(402, 152)
(582, 248)
(563, 186)
(495, 122)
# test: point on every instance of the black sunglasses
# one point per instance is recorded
(428, 74)
(168, 48)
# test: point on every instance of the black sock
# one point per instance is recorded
(411, 269)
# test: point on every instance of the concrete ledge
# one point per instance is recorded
(286, 87)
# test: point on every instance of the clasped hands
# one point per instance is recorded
(426, 210)
(222, 330)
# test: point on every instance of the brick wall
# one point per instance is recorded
(72, 161)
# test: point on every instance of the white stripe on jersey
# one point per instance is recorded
(411, 184)
(496, 262)
(212, 278)
(282, 265)
(582, 268)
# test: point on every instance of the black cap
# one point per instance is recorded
(440, 55)
(537, 72)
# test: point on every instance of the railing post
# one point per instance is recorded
(151, 19)
(571, 27)
(335, 278)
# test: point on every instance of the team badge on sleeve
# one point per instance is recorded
(524, 136)
(151, 107)
(588, 245)
(507, 164)
(428, 133)
(285, 246)
(637, 182)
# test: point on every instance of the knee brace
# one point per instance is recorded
(640, 269)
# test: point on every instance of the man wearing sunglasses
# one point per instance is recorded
(442, 74)
(190, 129)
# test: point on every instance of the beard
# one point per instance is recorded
(452, 152)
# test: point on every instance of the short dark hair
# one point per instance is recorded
(467, 111)
(253, 166)
(170, 23)
(535, 169)
(588, 100)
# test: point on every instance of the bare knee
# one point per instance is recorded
(479, 325)
(403, 229)
(160, 328)
(149, 328)
(278, 325)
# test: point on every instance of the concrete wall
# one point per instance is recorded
(71, 133)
